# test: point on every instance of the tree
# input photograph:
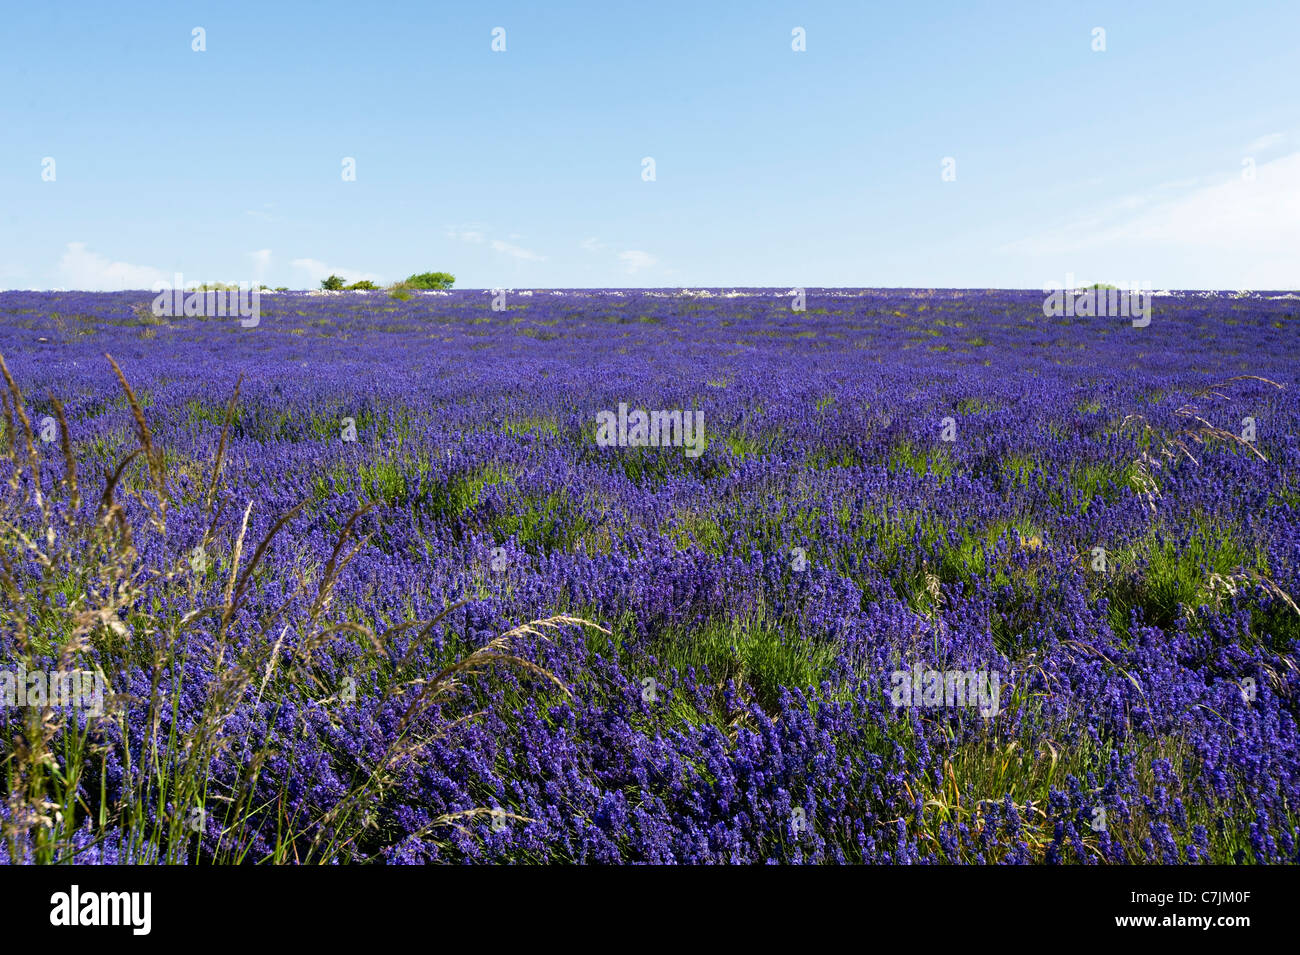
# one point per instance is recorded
(365, 285)
(430, 280)
(332, 284)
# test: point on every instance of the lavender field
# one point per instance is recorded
(921, 577)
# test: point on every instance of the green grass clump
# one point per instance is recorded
(921, 461)
(757, 653)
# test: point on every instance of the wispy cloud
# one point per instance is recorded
(1264, 143)
(1187, 183)
(509, 248)
(634, 261)
(263, 214)
(1248, 227)
(475, 235)
(80, 268)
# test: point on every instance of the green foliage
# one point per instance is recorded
(1161, 576)
(543, 524)
(760, 654)
(936, 460)
(333, 284)
(691, 528)
(430, 280)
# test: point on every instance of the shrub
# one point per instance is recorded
(332, 284)
(362, 286)
(430, 280)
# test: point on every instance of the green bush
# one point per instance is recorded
(430, 280)
(333, 284)
(362, 286)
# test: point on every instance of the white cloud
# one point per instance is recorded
(1244, 231)
(634, 260)
(317, 270)
(475, 235)
(508, 248)
(1183, 183)
(1264, 143)
(79, 268)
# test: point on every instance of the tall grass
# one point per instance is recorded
(132, 779)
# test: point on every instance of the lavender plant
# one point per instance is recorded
(296, 556)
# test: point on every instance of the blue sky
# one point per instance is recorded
(523, 168)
